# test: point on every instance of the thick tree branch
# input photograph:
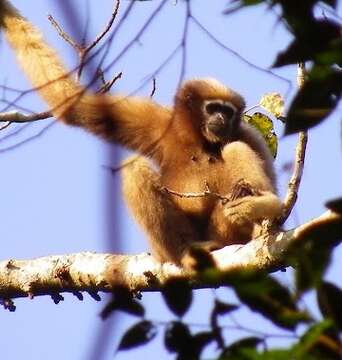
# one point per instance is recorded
(18, 117)
(93, 272)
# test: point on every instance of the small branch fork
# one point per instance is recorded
(82, 50)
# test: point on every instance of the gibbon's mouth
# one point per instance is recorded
(218, 128)
(218, 124)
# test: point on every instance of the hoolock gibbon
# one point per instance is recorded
(198, 146)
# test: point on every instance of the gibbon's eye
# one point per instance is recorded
(218, 107)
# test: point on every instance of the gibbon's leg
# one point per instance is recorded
(170, 232)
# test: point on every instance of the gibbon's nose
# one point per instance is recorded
(217, 123)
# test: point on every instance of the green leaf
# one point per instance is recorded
(315, 245)
(281, 354)
(200, 341)
(240, 4)
(265, 127)
(220, 308)
(273, 103)
(310, 266)
(332, 55)
(239, 349)
(329, 298)
(335, 205)
(264, 294)
(331, 3)
(315, 100)
(178, 295)
(253, 354)
(140, 334)
(310, 337)
(177, 336)
(123, 301)
(178, 339)
(252, 2)
(316, 40)
(317, 343)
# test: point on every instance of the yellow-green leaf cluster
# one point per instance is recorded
(273, 103)
(265, 126)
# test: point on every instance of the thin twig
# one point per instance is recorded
(236, 54)
(183, 44)
(23, 142)
(108, 84)
(207, 192)
(106, 29)
(82, 50)
(294, 183)
(14, 133)
(153, 87)
(5, 126)
(63, 34)
(85, 50)
(138, 35)
(100, 75)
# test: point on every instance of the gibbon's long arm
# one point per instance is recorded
(132, 121)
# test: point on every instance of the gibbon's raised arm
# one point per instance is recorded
(127, 120)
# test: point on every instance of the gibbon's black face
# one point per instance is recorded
(220, 121)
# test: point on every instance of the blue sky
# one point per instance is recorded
(58, 197)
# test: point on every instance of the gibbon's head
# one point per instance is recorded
(213, 108)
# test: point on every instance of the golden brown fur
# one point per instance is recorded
(188, 156)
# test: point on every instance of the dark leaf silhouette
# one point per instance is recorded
(315, 100)
(178, 295)
(140, 334)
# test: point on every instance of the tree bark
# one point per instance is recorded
(92, 272)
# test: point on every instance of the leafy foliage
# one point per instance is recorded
(265, 126)
(264, 294)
